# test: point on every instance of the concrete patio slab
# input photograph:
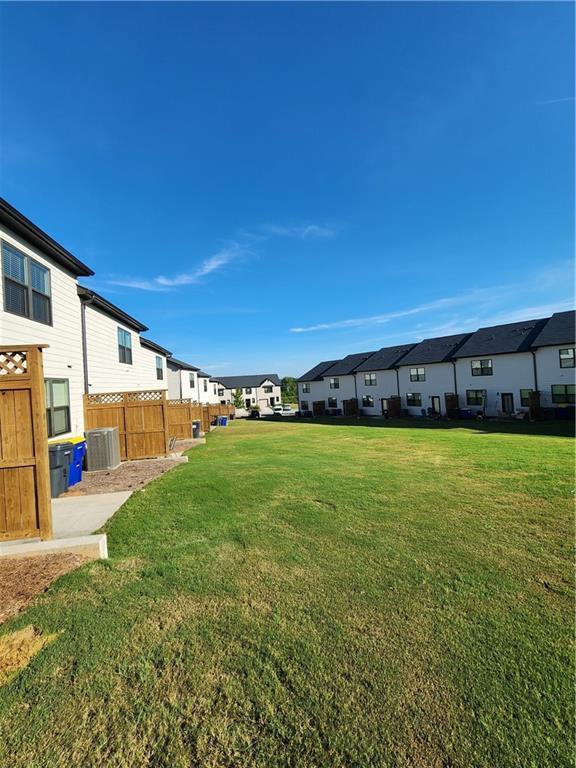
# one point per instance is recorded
(92, 547)
(81, 515)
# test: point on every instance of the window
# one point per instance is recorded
(268, 390)
(215, 388)
(417, 374)
(367, 401)
(205, 385)
(306, 388)
(304, 405)
(220, 393)
(525, 397)
(563, 393)
(414, 398)
(159, 368)
(192, 380)
(369, 379)
(567, 358)
(474, 397)
(26, 286)
(481, 367)
(332, 402)
(57, 406)
(334, 383)
(124, 346)
(248, 390)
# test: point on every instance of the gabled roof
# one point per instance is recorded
(315, 374)
(149, 344)
(202, 374)
(385, 358)
(348, 364)
(501, 339)
(24, 228)
(94, 299)
(182, 365)
(558, 330)
(438, 350)
(251, 380)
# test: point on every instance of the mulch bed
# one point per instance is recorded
(22, 578)
(129, 476)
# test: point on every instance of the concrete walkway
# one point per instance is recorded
(80, 515)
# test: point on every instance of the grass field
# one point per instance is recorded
(318, 595)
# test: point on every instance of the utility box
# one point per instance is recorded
(102, 449)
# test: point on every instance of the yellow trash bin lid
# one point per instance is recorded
(75, 439)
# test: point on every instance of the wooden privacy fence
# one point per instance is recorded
(147, 420)
(25, 509)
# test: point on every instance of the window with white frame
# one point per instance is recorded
(124, 346)
(369, 379)
(26, 286)
(334, 383)
(332, 402)
(57, 406)
(306, 388)
(482, 367)
(567, 358)
(191, 379)
(220, 393)
(159, 368)
(248, 390)
(417, 374)
(414, 399)
(367, 401)
(268, 390)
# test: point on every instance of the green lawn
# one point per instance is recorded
(318, 595)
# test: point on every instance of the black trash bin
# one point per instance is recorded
(196, 429)
(60, 456)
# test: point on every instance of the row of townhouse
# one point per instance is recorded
(188, 381)
(93, 346)
(500, 370)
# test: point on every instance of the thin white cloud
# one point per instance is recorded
(161, 283)
(305, 232)
(556, 101)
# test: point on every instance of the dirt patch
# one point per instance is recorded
(130, 475)
(18, 649)
(22, 578)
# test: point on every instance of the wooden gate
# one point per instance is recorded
(141, 418)
(25, 509)
(181, 414)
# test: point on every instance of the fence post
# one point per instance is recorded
(36, 368)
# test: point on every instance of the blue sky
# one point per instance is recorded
(267, 185)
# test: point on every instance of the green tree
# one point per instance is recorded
(289, 390)
(238, 399)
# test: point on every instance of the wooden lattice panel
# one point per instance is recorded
(13, 363)
(106, 398)
(144, 397)
(177, 403)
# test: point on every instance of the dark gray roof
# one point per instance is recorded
(182, 365)
(315, 374)
(250, 380)
(149, 344)
(438, 350)
(94, 299)
(203, 374)
(385, 358)
(558, 330)
(501, 339)
(28, 231)
(348, 364)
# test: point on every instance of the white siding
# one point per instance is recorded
(549, 372)
(386, 387)
(510, 373)
(105, 371)
(320, 390)
(439, 381)
(63, 358)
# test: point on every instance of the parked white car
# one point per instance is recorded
(283, 410)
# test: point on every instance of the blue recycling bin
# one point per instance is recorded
(75, 472)
(222, 421)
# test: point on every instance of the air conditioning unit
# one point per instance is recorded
(102, 449)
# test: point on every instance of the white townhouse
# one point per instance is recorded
(377, 379)
(39, 305)
(426, 375)
(311, 386)
(182, 380)
(116, 357)
(496, 368)
(553, 350)
(262, 389)
(336, 384)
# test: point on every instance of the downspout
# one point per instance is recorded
(455, 381)
(535, 370)
(397, 382)
(84, 342)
